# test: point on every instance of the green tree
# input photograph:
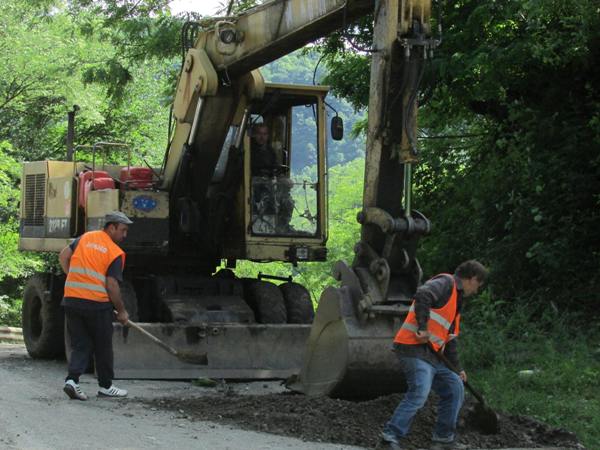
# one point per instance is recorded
(509, 134)
(15, 265)
(41, 77)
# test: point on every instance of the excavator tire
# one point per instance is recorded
(43, 319)
(267, 301)
(298, 303)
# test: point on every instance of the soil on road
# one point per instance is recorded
(36, 414)
(358, 423)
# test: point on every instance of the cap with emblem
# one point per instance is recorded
(117, 217)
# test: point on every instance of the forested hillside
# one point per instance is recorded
(302, 67)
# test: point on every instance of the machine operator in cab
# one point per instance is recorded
(273, 205)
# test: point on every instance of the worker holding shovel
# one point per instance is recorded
(94, 265)
(431, 326)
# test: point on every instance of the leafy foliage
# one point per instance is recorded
(530, 187)
(510, 168)
(14, 263)
(10, 311)
(561, 361)
(301, 67)
(40, 77)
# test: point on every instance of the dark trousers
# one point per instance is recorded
(90, 332)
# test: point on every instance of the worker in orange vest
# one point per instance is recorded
(432, 325)
(94, 266)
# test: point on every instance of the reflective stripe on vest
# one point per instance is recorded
(91, 287)
(413, 328)
(435, 316)
(438, 325)
(89, 272)
(89, 263)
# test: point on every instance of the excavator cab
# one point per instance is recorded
(284, 187)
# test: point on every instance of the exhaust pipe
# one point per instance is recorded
(71, 132)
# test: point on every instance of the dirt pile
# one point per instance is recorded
(355, 423)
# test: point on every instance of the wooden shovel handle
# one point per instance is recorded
(454, 369)
(150, 336)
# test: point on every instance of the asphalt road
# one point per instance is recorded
(36, 414)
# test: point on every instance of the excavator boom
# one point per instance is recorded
(348, 350)
(274, 29)
(233, 48)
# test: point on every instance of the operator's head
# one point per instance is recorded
(473, 274)
(116, 225)
(260, 133)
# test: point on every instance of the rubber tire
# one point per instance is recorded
(129, 298)
(43, 320)
(267, 302)
(298, 303)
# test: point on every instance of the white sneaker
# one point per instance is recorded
(73, 390)
(112, 391)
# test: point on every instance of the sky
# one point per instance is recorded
(204, 7)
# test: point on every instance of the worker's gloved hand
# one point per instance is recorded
(422, 336)
(123, 317)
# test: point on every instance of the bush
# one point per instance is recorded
(10, 311)
(503, 338)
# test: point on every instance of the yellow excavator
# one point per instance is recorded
(212, 204)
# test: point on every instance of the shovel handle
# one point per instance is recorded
(454, 369)
(150, 336)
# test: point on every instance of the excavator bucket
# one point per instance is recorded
(346, 357)
(218, 350)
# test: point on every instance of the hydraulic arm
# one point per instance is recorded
(348, 351)
(216, 68)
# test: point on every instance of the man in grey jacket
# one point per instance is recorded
(431, 326)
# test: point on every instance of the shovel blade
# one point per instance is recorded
(484, 419)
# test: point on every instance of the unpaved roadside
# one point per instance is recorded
(36, 414)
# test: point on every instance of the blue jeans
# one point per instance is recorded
(421, 377)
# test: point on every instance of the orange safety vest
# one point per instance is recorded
(89, 263)
(438, 325)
